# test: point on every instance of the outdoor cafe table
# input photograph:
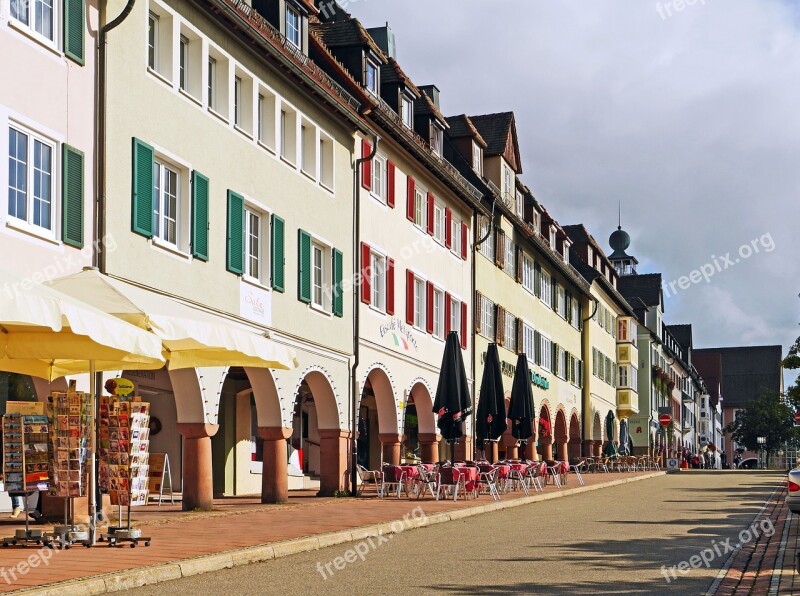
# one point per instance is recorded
(412, 472)
(469, 476)
(503, 470)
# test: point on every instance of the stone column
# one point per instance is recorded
(598, 448)
(587, 448)
(275, 472)
(334, 461)
(391, 448)
(531, 452)
(198, 482)
(512, 451)
(429, 447)
(464, 448)
(563, 454)
(547, 448)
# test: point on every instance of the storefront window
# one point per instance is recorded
(14, 387)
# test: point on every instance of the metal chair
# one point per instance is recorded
(576, 469)
(394, 476)
(367, 477)
(487, 475)
(451, 478)
(428, 480)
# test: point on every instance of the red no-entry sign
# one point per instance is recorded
(664, 419)
(797, 417)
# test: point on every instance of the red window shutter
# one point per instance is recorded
(464, 235)
(390, 184)
(429, 325)
(389, 286)
(448, 228)
(447, 314)
(464, 325)
(366, 269)
(409, 297)
(411, 208)
(366, 167)
(430, 213)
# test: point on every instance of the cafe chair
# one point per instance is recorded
(394, 476)
(367, 477)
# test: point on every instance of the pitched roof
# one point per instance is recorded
(345, 31)
(682, 334)
(577, 233)
(496, 130)
(590, 274)
(647, 287)
(748, 371)
(462, 126)
(392, 73)
(424, 105)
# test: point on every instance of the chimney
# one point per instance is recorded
(431, 91)
(384, 37)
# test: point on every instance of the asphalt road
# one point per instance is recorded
(610, 541)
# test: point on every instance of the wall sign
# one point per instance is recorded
(255, 304)
(398, 334)
(509, 369)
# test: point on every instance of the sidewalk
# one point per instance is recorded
(235, 524)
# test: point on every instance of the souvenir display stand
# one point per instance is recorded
(25, 460)
(124, 453)
(70, 435)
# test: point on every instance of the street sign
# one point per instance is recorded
(797, 417)
(665, 419)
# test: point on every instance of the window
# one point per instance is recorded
(566, 251)
(419, 303)
(326, 161)
(510, 263)
(552, 237)
(546, 351)
(519, 203)
(165, 202)
(237, 101)
(288, 143)
(438, 223)
(455, 235)
(253, 243)
(508, 182)
(528, 339)
(308, 148)
(30, 179)
(212, 83)
(438, 313)
(377, 274)
(561, 307)
(623, 376)
(487, 246)
(437, 139)
(487, 318)
(528, 273)
(183, 63)
(547, 291)
(318, 272)
(37, 15)
(152, 41)
(266, 110)
(537, 222)
(407, 111)
(477, 158)
(371, 77)
(293, 27)
(455, 315)
(379, 178)
(510, 328)
(421, 208)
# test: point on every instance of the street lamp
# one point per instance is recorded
(761, 442)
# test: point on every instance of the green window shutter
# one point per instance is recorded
(235, 233)
(74, 19)
(338, 295)
(142, 200)
(278, 254)
(199, 216)
(72, 196)
(304, 267)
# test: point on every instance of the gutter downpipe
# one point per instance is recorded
(356, 306)
(586, 374)
(477, 243)
(100, 160)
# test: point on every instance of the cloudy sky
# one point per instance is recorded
(689, 118)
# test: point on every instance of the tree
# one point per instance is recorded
(767, 416)
(792, 362)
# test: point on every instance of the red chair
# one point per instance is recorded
(394, 476)
(451, 478)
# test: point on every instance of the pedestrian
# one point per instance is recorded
(737, 459)
(724, 459)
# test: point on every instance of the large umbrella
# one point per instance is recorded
(452, 402)
(190, 337)
(47, 334)
(490, 422)
(623, 437)
(610, 450)
(520, 409)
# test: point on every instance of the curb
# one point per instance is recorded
(153, 574)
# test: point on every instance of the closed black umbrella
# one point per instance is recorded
(452, 402)
(520, 409)
(490, 421)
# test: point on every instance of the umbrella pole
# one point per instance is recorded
(92, 449)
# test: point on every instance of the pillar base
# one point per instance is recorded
(587, 448)
(390, 443)
(429, 447)
(198, 482)
(464, 449)
(334, 452)
(275, 472)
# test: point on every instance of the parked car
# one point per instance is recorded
(751, 463)
(793, 494)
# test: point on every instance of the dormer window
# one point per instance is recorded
(537, 221)
(519, 203)
(565, 252)
(508, 182)
(407, 111)
(294, 27)
(477, 158)
(371, 77)
(553, 237)
(437, 139)
(589, 255)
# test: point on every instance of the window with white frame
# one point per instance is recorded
(438, 223)
(294, 27)
(31, 178)
(39, 16)
(455, 316)
(623, 376)
(547, 291)
(160, 40)
(552, 237)
(152, 37)
(528, 339)
(326, 160)
(407, 111)
(438, 313)
(319, 271)
(510, 329)
(508, 183)
(519, 203)
(219, 83)
(561, 307)
(455, 235)
(308, 148)
(237, 100)
(183, 63)
(377, 281)
(565, 254)
(166, 201)
(510, 263)
(212, 83)
(421, 208)
(528, 273)
(288, 146)
(371, 77)
(487, 246)
(254, 228)
(487, 318)
(437, 138)
(265, 127)
(379, 184)
(477, 158)
(420, 315)
(546, 352)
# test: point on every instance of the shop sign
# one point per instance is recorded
(398, 334)
(119, 386)
(255, 304)
(509, 369)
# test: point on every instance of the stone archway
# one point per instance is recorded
(379, 437)
(574, 450)
(561, 437)
(419, 430)
(545, 435)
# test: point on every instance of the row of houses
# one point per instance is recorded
(272, 164)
